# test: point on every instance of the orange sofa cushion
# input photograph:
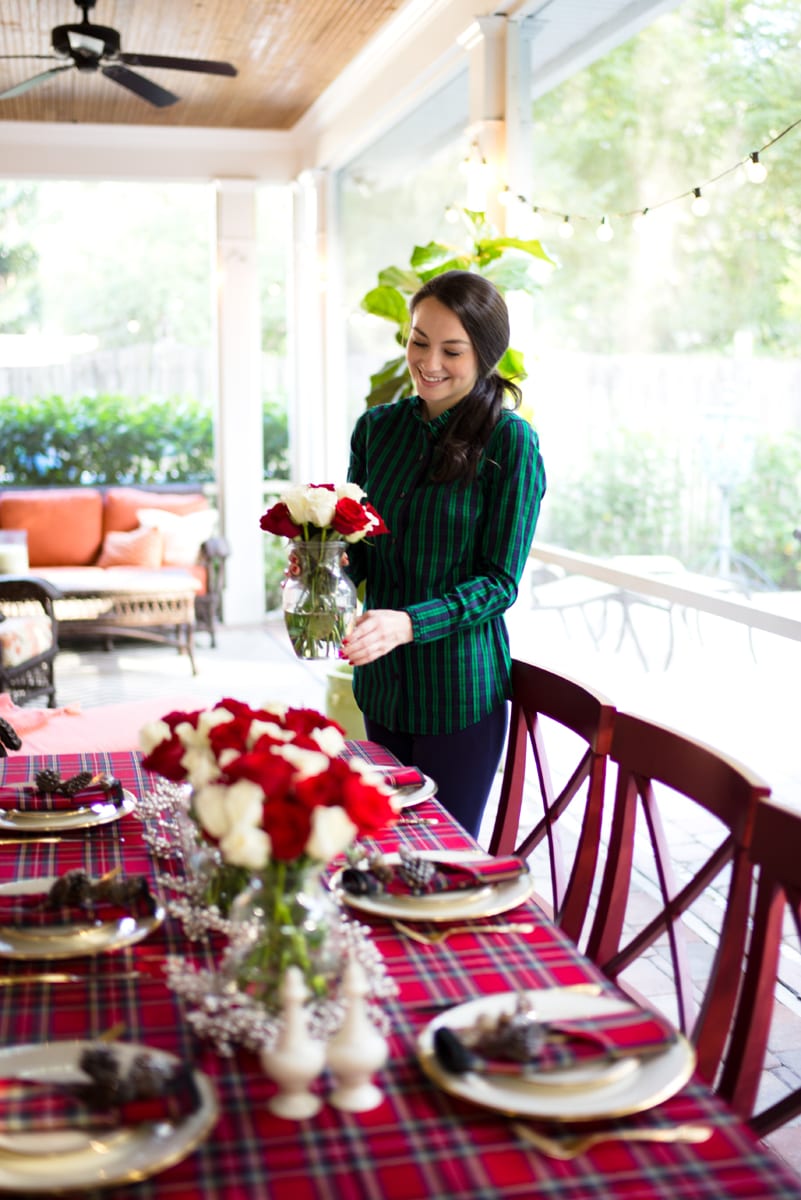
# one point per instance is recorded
(122, 505)
(65, 526)
(136, 548)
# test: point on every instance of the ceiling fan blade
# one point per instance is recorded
(33, 82)
(205, 66)
(142, 87)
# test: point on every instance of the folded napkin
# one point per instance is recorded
(400, 777)
(50, 793)
(109, 1100)
(74, 899)
(521, 1045)
(416, 876)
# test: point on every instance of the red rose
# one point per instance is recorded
(272, 773)
(306, 720)
(277, 520)
(378, 526)
(325, 789)
(368, 808)
(289, 826)
(165, 759)
(349, 516)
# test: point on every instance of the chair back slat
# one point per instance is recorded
(539, 694)
(775, 853)
(654, 764)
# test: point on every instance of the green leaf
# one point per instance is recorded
(452, 264)
(387, 302)
(390, 390)
(497, 245)
(390, 370)
(511, 365)
(429, 253)
(397, 277)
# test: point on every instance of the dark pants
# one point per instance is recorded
(462, 764)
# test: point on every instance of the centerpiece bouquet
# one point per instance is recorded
(271, 792)
(319, 600)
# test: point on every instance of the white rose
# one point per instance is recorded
(246, 846)
(211, 810)
(200, 766)
(350, 491)
(322, 502)
(153, 734)
(212, 717)
(260, 728)
(330, 741)
(245, 800)
(332, 832)
(305, 762)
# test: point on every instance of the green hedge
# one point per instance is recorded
(107, 439)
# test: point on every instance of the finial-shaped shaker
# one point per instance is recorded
(357, 1050)
(297, 1058)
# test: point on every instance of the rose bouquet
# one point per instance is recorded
(272, 794)
(319, 600)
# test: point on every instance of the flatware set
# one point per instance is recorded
(570, 1145)
(436, 936)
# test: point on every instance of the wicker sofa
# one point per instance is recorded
(143, 541)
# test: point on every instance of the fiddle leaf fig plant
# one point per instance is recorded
(500, 259)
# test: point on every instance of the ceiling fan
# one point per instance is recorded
(97, 48)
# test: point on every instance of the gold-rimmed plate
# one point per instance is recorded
(466, 904)
(620, 1093)
(51, 1164)
(97, 811)
(69, 941)
(407, 797)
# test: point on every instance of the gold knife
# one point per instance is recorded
(27, 841)
(64, 977)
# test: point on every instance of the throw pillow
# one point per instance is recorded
(183, 535)
(141, 547)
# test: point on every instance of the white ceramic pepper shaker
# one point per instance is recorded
(357, 1050)
(297, 1058)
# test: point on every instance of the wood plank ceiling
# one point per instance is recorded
(286, 53)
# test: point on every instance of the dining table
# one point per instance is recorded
(423, 1140)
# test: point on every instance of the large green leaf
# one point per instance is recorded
(391, 389)
(387, 302)
(496, 246)
(397, 277)
(390, 370)
(511, 365)
(431, 252)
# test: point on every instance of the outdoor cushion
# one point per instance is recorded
(122, 504)
(24, 638)
(141, 547)
(183, 535)
(65, 527)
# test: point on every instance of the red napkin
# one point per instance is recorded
(28, 1107)
(401, 777)
(456, 876)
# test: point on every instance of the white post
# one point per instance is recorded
(240, 438)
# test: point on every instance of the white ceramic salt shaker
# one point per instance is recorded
(297, 1058)
(358, 1050)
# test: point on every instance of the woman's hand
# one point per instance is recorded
(375, 633)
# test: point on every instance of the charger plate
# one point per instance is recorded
(95, 812)
(69, 941)
(466, 904)
(65, 1161)
(574, 1096)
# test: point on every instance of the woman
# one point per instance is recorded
(458, 480)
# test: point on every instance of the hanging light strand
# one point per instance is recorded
(751, 164)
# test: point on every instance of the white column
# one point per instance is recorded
(240, 438)
(488, 101)
(317, 438)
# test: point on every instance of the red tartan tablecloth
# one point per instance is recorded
(420, 1143)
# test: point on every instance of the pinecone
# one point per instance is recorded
(417, 872)
(8, 736)
(71, 890)
(71, 787)
(47, 780)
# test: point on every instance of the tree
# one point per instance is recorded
(19, 291)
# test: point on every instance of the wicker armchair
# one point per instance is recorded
(28, 638)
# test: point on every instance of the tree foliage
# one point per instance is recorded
(20, 299)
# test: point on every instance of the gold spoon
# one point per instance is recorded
(439, 935)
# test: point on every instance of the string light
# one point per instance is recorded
(604, 232)
(755, 170)
(700, 204)
(478, 171)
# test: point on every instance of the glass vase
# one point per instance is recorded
(319, 598)
(286, 917)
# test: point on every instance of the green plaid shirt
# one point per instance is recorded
(452, 559)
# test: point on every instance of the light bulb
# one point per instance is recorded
(700, 204)
(566, 230)
(755, 170)
(604, 232)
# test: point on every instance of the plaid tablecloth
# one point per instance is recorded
(420, 1143)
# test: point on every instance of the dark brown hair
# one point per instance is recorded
(483, 313)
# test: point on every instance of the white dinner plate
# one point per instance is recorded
(620, 1093)
(407, 797)
(52, 1163)
(469, 903)
(93, 812)
(69, 941)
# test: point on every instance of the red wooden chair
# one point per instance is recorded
(776, 851)
(655, 767)
(538, 697)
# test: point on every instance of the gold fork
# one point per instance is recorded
(439, 935)
(570, 1145)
